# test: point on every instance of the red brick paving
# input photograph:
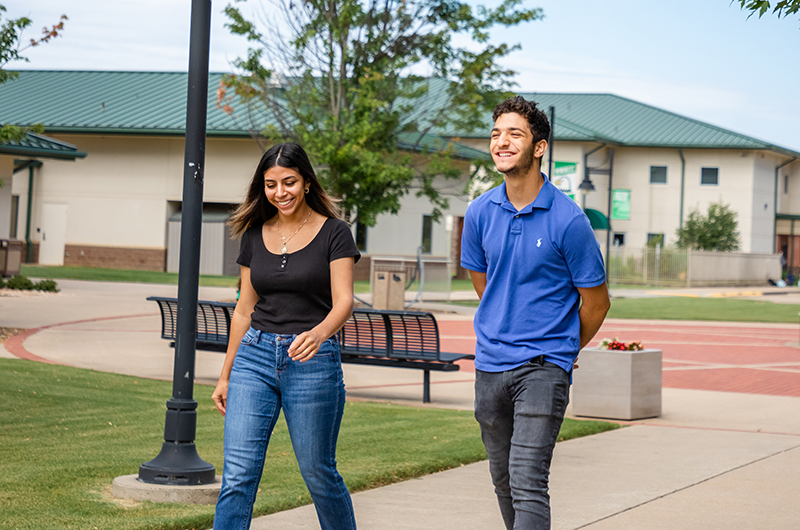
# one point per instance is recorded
(745, 358)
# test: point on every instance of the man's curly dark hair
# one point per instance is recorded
(537, 120)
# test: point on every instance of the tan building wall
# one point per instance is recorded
(119, 198)
(746, 182)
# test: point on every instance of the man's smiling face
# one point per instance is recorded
(512, 148)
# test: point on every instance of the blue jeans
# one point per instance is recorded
(263, 380)
(520, 412)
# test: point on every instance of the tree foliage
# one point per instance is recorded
(717, 230)
(782, 8)
(342, 79)
(11, 47)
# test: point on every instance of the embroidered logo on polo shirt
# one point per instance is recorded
(539, 242)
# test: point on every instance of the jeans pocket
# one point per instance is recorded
(250, 337)
(542, 390)
(327, 348)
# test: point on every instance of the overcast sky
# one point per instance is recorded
(699, 58)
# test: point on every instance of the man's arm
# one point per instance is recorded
(479, 282)
(594, 306)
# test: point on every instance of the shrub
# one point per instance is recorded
(20, 283)
(3, 283)
(47, 285)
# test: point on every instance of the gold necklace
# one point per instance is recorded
(285, 239)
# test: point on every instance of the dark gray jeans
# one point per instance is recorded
(520, 413)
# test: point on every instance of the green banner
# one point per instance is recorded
(564, 177)
(621, 205)
(564, 168)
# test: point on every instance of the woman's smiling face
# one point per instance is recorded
(285, 189)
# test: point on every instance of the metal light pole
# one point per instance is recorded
(550, 143)
(178, 462)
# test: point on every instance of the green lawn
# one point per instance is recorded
(685, 308)
(722, 309)
(120, 275)
(65, 433)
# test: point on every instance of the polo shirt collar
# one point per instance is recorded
(542, 201)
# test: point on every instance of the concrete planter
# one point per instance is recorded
(620, 385)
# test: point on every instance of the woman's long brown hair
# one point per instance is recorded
(256, 209)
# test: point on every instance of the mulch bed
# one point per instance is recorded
(8, 332)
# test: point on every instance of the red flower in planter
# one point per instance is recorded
(615, 344)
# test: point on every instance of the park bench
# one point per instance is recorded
(396, 339)
(213, 322)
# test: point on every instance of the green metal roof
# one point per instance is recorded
(108, 102)
(610, 119)
(135, 103)
(614, 120)
(621, 121)
(39, 146)
(155, 103)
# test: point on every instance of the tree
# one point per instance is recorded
(11, 47)
(718, 230)
(341, 78)
(783, 8)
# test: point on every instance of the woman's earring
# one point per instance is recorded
(307, 190)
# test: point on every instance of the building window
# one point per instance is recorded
(658, 174)
(709, 176)
(654, 240)
(427, 233)
(361, 237)
(619, 240)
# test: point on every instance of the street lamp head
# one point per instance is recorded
(586, 186)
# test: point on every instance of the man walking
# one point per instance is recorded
(538, 270)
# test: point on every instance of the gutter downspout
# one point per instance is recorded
(30, 165)
(28, 242)
(550, 141)
(683, 180)
(775, 213)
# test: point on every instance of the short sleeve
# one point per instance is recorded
(472, 255)
(582, 253)
(246, 249)
(342, 244)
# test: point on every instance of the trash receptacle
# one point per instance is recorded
(10, 257)
(388, 290)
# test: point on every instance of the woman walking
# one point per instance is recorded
(296, 261)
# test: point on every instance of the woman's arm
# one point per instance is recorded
(306, 344)
(240, 323)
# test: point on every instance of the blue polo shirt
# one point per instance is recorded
(534, 260)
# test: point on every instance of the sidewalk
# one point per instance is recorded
(712, 460)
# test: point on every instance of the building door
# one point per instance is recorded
(54, 234)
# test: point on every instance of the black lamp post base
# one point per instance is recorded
(177, 464)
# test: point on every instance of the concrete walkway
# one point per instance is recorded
(712, 460)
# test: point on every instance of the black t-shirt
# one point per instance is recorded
(294, 291)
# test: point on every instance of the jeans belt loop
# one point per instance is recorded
(538, 360)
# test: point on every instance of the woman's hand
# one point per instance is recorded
(220, 396)
(305, 346)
